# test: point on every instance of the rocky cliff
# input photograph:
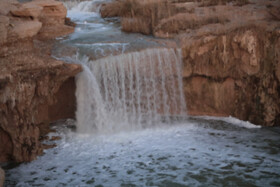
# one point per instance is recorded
(31, 82)
(231, 51)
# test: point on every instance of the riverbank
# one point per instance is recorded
(32, 83)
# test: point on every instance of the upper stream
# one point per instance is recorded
(132, 128)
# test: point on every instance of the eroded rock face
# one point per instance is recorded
(4, 23)
(30, 79)
(249, 59)
(26, 93)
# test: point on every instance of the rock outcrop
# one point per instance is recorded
(31, 82)
(230, 51)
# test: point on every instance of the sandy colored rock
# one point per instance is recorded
(219, 97)
(277, 71)
(28, 10)
(6, 6)
(4, 23)
(25, 29)
(246, 56)
(53, 13)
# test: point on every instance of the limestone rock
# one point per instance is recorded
(277, 71)
(6, 6)
(28, 10)
(46, 17)
(4, 22)
(25, 29)
(218, 97)
(250, 60)
(53, 12)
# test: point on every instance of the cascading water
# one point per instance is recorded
(130, 91)
(83, 6)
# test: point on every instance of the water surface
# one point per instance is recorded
(196, 152)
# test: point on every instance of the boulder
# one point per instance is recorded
(28, 10)
(53, 12)
(25, 29)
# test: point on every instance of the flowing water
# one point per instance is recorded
(132, 128)
(129, 91)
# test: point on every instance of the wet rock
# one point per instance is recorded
(8, 5)
(218, 96)
(65, 101)
(2, 177)
(54, 138)
(48, 146)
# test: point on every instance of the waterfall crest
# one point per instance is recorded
(83, 6)
(130, 91)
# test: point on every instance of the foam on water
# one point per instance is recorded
(233, 121)
(103, 49)
(194, 153)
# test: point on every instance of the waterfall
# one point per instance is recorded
(129, 91)
(83, 6)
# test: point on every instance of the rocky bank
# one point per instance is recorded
(33, 86)
(231, 51)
